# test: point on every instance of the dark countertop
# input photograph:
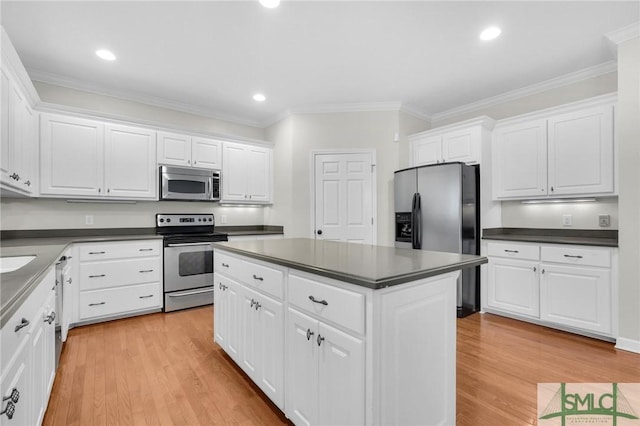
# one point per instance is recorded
(585, 237)
(365, 265)
(49, 244)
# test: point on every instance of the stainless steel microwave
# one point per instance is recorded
(186, 184)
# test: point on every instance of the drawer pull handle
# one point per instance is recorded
(511, 251)
(320, 339)
(255, 277)
(146, 297)
(309, 334)
(69, 281)
(50, 318)
(575, 257)
(147, 249)
(96, 252)
(23, 323)
(322, 302)
(9, 410)
(97, 276)
(14, 397)
(225, 265)
(146, 270)
(97, 304)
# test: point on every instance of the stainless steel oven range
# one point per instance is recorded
(188, 259)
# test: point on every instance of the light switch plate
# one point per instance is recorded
(88, 220)
(567, 220)
(604, 220)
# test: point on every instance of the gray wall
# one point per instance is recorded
(628, 132)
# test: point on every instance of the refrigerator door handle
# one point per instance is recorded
(417, 228)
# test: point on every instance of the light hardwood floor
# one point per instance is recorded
(165, 369)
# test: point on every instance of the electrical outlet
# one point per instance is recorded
(604, 220)
(567, 220)
(88, 220)
(223, 219)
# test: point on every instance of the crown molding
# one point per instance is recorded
(483, 120)
(55, 79)
(414, 112)
(625, 33)
(567, 79)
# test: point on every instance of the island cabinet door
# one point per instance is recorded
(227, 313)
(302, 369)
(220, 311)
(341, 377)
(270, 327)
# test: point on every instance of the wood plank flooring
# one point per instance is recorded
(164, 369)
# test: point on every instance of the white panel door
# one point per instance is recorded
(259, 170)
(302, 368)
(426, 151)
(206, 153)
(250, 350)
(220, 310)
(130, 162)
(513, 286)
(235, 173)
(581, 152)
(270, 338)
(174, 149)
(72, 156)
(462, 145)
(38, 363)
(520, 160)
(341, 378)
(30, 154)
(344, 197)
(234, 329)
(576, 296)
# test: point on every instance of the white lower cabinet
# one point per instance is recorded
(514, 286)
(571, 287)
(119, 278)
(328, 352)
(325, 373)
(28, 357)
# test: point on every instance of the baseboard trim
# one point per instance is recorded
(628, 345)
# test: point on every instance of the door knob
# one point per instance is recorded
(319, 231)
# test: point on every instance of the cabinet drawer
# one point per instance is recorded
(269, 280)
(228, 265)
(577, 256)
(514, 251)
(119, 250)
(97, 275)
(341, 306)
(113, 301)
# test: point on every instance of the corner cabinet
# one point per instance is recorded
(567, 151)
(565, 286)
(461, 142)
(189, 151)
(90, 159)
(247, 174)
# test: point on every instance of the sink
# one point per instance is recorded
(9, 264)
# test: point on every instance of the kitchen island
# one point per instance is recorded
(342, 333)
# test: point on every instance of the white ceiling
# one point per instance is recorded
(212, 56)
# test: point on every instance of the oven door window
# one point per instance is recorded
(195, 263)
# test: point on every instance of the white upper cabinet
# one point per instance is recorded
(459, 142)
(247, 173)
(130, 162)
(88, 159)
(556, 153)
(187, 151)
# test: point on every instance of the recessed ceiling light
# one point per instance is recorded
(259, 97)
(106, 55)
(490, 33)
(270, 4)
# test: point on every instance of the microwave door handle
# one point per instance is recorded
(209, 194)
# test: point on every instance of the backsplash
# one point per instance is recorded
(21, 214)
(584, 215)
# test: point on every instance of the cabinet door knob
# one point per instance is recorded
(14, 397)
(320, 339)
(535, 269)
(552, 189)
(69, 281)
(309, 334)
(543, 271)
(23, 323)
(319, 232)
(9, 410)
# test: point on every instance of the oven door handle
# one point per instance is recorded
(189, 244)
(191, 293)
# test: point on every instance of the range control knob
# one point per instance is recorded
(161, 220)
(168, 220)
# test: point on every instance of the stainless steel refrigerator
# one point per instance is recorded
(437, 208)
